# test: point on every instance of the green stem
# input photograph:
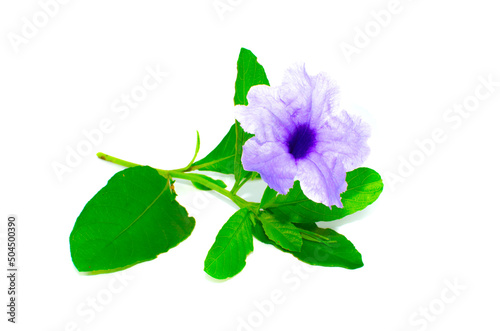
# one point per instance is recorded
(116, 160)
(237, 186)
(240, 202)
(195, 154)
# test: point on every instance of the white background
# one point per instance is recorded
(434, 226)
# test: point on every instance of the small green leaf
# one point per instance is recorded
(250, 73)
(234, 242)
(260, 234)
(336, 251)
(222, 158)
(268, 197)
(284, 234)
(132, 219)
(199, 186)
(226, 157)
(239, 172)
(364, 186)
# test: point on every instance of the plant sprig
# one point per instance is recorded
(136, 217)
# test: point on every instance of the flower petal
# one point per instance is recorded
(272, 160)
(344, 138)
(278, 116)
(309, 99)
(322, 182)
(265, 116)
(324, 100)
(295, 94)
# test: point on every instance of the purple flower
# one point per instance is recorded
(300, 134)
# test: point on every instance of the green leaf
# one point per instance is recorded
(222, 158)
(284, 234)
(268, 197)
(234, 242)
(239, 172)
(260, 234)
(132, 219)
(364, 186)
(250, 73)
(199, 186)
(338, 251)
(333, 251)
(226, 157)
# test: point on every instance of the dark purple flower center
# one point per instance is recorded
(301, 141)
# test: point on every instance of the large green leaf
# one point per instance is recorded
(364, 185)
(334, 250)
(234, 242)
(226, 157)
(284, 234)
(132, 219)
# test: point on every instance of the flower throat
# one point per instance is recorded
(301, 141)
